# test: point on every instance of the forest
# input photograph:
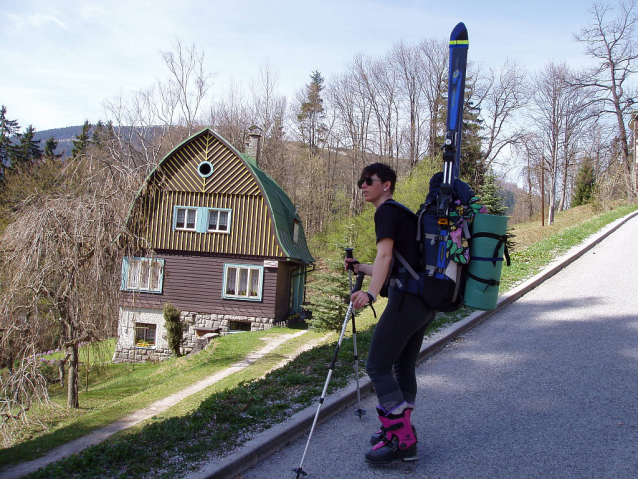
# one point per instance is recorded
(565, 134)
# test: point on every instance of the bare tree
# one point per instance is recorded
(435, 58)
(505, 96)
(231, 116)
(269, 113)
(188, 83)
(612, 43)
(61, 261)
(150, 122)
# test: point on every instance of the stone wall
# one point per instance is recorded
(193, 322)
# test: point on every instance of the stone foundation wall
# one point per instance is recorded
(126, 351)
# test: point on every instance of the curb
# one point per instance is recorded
(270, 441)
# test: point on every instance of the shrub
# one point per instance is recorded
(174, 330)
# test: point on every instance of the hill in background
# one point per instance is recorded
(64, 137)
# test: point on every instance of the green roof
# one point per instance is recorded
(283, 212)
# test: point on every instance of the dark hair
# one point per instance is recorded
(384, 172)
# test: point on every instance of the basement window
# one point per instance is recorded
(145, 334)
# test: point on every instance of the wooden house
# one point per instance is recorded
(222, 242)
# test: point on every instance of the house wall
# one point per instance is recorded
(194, 283)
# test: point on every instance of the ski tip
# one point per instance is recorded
(459, 36)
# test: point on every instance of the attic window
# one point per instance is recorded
(295, 231)
(205, 169)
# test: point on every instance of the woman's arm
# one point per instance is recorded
(379, 271)
(381, 265)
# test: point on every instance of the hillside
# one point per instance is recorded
(64, 137)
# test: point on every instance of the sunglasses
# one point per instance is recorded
(367, 180)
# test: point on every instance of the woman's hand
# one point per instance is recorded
(359, 299)
(355, 264)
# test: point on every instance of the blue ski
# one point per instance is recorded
(459, 44)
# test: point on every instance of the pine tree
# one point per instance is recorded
(174, 328)
(82, 141)
(491, 197)
(27, 152)
(329, 297)
(472, 156)
(585, 183)
(49, 148)
(311, 113)
(8, 129)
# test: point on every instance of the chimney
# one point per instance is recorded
(253, 144)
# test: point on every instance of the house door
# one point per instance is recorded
(297, 283)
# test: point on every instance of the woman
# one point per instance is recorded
(399, 333)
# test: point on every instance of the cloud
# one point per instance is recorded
(39, 20)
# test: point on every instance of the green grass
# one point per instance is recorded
(226, 414)
(120, 389)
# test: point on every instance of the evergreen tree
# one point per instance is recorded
(82, 141)
(472, 156)
(49, 148)
(585, 183)
(490, 196)
(311, 113)
(329, 297)
(8, 129)
(174, 328)
(27, 152)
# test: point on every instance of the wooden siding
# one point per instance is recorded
(194, 283)
(176, 182)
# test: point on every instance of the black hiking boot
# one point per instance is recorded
(390, 452)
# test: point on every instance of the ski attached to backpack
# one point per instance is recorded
(459, 45)
(446, 218)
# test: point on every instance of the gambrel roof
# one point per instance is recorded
(265, 214)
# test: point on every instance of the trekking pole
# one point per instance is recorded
(359, 411)
(299, 470)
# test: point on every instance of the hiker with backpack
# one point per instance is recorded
(398, 336)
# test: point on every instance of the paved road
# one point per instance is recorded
(545, 388)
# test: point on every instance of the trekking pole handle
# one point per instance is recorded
(359, 282)
(349, 255)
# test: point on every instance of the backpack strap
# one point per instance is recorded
(407, 266)
(501, 240)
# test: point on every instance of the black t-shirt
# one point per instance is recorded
(394, 222)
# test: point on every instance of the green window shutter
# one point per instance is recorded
(175, 217)
(124, 273)
(202, 220)
(161, 276)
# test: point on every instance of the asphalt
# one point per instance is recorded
(545, 386)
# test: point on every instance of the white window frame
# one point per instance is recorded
(234, 280)
(142, 274)
(144, 326)
(186, 210)
(219, 212)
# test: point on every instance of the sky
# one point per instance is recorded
(60, 60)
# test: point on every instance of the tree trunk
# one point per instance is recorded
(73, 400)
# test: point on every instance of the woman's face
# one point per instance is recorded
(372, 188)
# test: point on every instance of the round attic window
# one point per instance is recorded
(205, 169)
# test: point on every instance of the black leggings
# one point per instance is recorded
(396, 343)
